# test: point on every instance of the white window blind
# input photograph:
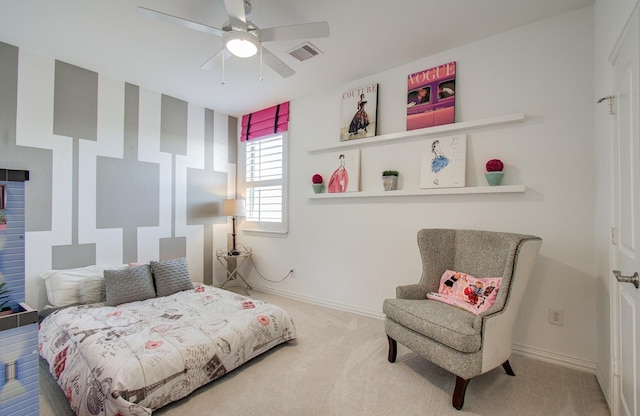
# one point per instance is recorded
(265, 184)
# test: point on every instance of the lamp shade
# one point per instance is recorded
(233, 207)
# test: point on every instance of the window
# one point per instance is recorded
(265, 184)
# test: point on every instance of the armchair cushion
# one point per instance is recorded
(447, 324)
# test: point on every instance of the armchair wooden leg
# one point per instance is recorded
(507, 368)
(393, 349)
(458, 393)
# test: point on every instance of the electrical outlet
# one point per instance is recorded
(556, 317)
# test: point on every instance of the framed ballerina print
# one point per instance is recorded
(359, 113)
(444, 162)
(345, 172)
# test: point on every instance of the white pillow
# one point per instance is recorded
(63, 285)
(92, 290)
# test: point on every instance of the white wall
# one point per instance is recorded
(610, 16)
(352, 253)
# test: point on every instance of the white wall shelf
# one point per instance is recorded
(439, 191)
(422, 133)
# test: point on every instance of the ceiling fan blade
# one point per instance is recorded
(215, 60)
(189, 24)
(305, 30)
(276, 64)
(236, 12)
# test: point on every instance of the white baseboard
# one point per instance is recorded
(555, 358)
(535, 353)
(322, 302)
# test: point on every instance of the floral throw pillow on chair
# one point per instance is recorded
(474, 294)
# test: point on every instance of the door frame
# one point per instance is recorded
(614, 292)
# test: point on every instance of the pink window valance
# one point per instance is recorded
(265, 122)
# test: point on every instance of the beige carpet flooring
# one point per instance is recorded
(338, 366)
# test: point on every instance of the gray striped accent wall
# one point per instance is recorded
(119, 173)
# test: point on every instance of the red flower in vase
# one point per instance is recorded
(494, 165)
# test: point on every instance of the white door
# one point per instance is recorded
(626, 205)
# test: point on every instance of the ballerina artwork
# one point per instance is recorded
(439, 161)
(339, 181)
(360, 120)
(443, 163)
(358, 113)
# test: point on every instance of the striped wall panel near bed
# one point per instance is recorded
(119, 173)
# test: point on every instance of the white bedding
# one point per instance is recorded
(137, 357)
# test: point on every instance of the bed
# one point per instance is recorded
(130, 358)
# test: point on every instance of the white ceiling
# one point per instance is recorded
(367, 36)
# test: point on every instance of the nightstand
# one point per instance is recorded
(232, 265)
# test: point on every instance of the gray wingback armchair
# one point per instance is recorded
(462, 343)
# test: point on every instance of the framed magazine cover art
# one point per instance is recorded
(359, 113)
(431, 97)
(443, 162)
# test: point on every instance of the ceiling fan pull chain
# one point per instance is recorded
(261, 62)
(223, 81)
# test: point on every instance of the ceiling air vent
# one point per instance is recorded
(304, 51)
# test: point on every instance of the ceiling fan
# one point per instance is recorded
(242, 38)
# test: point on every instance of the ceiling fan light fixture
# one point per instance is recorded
(241, 44)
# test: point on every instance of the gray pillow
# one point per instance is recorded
(128, 285)
(171, 276)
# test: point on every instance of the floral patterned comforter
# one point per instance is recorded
(137, 357)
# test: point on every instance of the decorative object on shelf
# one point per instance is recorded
(390, 180)
(431, 97)
(317, 183)
(233, 208)
(494, 173)
(346, 177)
(444, 162)
(359, 113)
